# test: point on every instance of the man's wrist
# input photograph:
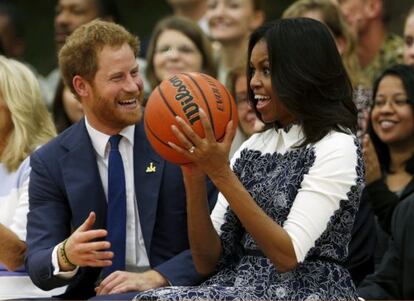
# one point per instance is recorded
(64, 263)
(158, 279)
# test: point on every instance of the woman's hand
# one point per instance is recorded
(372, 165)
(206, 153)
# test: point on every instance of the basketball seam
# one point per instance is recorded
(156, 137)
(166, 102)
(205, 101)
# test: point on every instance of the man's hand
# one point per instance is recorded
(81, 249)
(121, 282)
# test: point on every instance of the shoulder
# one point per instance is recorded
(23, 172)
(338, 150)
(337, 142)
(69, 138)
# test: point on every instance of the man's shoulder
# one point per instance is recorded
(59, 144)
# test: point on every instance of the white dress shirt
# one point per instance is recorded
(136, 258)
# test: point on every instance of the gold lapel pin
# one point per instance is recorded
(151, 168)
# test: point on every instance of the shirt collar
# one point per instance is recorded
(291, 135)
(100, 140)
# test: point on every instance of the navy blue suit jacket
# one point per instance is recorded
(65, 186)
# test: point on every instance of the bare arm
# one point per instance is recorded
(12, 249)
(204, 240)
(211, 157)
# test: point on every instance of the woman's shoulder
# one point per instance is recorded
(340, 145)
(338, 140)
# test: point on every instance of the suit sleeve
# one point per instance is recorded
(48, 223)
(180, 270)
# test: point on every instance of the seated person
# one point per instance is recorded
(25, 124)
(389, 148)
(119, 210)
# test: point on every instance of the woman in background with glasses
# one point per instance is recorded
(178, 45)
(389, 147)
(249, 123)
(389, 156)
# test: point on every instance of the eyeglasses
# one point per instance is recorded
(182, 49)
(395, 103)
(241, 98)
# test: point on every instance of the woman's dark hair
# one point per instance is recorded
(60, 118)
(307, 75)
(406, 75)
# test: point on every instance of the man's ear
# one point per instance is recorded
(82, 86)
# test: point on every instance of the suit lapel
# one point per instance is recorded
(148, 171)
(81, 177)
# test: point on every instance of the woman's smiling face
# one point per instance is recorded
(267, 102)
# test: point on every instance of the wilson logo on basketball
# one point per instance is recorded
(184, 95)
(190, 108)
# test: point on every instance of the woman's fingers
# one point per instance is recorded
(208, 130)
(230, 132)
(186, 134)
(185, 142)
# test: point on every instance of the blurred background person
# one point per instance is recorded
(389, 155)
(248, 121)
(230, 24)
(409, 38)
(389, 147)
(377, 48)
(25, 124)
(12, 36)
(177, 45)
(66, 109)
(70, 14)
(12, 30)
(192, 9)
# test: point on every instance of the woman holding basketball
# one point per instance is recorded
(283, 220)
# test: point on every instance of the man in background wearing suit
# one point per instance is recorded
(107, 214)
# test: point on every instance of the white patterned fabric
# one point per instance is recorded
(313, 193)
(14, 206)
(14, 198)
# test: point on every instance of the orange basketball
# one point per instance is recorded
(183, 95)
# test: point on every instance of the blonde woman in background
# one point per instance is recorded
(230, 24)
(25, 124)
